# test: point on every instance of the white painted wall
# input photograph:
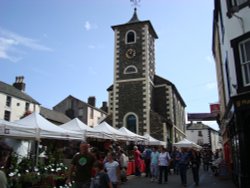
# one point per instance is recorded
(97, 116)
(234, 28)
(17, 107)
(192, 135)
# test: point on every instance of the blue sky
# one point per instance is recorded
(65, 47)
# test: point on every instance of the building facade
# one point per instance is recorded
(231, 50)
(14, 102)
(86, 112)
(203, 135)
(139, 99)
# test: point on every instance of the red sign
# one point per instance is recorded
(215, 108)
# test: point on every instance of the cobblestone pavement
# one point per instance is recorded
(207, 180)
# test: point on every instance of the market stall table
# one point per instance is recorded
(131, 167)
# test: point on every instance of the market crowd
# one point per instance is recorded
(156, 162)
(91, 167)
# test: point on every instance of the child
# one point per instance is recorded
(101, 179)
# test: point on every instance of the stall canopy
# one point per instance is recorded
(78, 126)
(152, 141)
(44, 129)
(135, 137)
(116, 135)
(14, 130)
(185, 143)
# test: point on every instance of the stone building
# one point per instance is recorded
(88, 113)
(138, 98)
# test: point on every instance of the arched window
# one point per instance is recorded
(130, 37)
(131, 123)
(131, 69)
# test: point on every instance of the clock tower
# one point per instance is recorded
(134, 69)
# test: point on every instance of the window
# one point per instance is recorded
(130, 70)
(241, 52)
(131, 123)
(80, 112)
(8, 101)
(237, 2)
(200, 133)
(7, 115)
(27, 106)
(244, 49)
(91, 113)
(130, 37)
(234, 6)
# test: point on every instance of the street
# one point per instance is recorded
(207, 180)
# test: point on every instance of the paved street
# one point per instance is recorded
(207, 180)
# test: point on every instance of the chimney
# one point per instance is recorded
(91, 101)
(104, 106)
(19, 84)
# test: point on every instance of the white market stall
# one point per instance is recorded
(78, 126)
(185, 143)
(33, 127)
(45, 129)
(114, 133)
(133, 135)
(11, 129)
(153, 141)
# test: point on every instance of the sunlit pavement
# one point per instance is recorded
(207, 180)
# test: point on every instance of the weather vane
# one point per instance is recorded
(135, 3)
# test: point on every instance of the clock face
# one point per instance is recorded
(130, 53)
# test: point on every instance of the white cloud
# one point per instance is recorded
(210, 85)
(11, 44)
(89, 26)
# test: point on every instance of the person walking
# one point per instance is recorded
(183, 164)
(5, 151)
(123, 161)
(81, 164)
(164, 160)
(195, 165)
(176, 158)
(101, 179)
(137, 158)
(154, 164)
(113, 169)
(146, 156)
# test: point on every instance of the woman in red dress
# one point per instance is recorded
(137, 158)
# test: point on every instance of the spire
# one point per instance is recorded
(134, 17)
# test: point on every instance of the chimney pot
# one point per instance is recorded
(19, 84)
(91, 101)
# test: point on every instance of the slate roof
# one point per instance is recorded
(12, 91)
(54, 116)
(135, 20)
(134, 17)
(80, 101)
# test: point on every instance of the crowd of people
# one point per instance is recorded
(90, 169)
(159, 162)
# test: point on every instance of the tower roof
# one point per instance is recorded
(134, 17)
(134, 20)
